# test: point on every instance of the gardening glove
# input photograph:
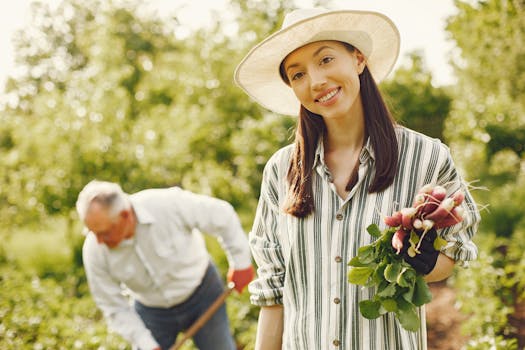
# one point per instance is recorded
(241, 278)
(426, 260)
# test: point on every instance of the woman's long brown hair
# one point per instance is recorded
(379, 126)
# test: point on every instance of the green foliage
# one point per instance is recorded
(47, 312)
(132, 102)
(413, 100)
(46, 303)
(486, 125)
(398, 288)
(497, 278)
(492, 343)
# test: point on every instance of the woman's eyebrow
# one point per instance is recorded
(316, 52)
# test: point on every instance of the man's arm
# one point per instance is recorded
(108, 297)
(270, 328)
(218, 218)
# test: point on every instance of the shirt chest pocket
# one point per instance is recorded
(133, 274)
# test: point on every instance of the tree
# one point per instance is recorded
(414, 101)
(107, 93)
(487, 123)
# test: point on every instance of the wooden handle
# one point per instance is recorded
(190, 332)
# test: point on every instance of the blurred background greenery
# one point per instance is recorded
(105, 92)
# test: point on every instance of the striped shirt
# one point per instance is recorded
(302, 263)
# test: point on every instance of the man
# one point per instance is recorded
(149, 244)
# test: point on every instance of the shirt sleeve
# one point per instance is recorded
(267, 288)
(460, 246)
(107, 293)
(218, 218)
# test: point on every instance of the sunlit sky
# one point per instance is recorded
(420, 22)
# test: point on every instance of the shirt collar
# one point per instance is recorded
(367, 151)
(142, 214)
(319, 153)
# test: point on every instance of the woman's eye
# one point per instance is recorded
(326, 59)
(297, 76)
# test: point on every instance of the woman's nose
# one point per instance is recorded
(317, 79)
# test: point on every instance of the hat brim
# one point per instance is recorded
(372, 33)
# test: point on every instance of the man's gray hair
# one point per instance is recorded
(108, 194)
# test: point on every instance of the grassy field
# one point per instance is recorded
(40, 248)
(45, 302)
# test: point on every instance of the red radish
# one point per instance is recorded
(455, 216)
(419, 200)
(427, 224)
(397, 240)
(422, 195)
(426, 189)
(442, 210)
(434, 199)
(394, 220)
(458, 197)
(418, 224)
(407, 214)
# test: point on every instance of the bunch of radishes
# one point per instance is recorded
(431, 209)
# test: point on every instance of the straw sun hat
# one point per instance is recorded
(374, 34)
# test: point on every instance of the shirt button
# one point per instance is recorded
(338, 259)
(337, 300)
(339, 216)
(336, 342)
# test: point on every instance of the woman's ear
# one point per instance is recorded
(361, 61)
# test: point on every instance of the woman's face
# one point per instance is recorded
(324, 76)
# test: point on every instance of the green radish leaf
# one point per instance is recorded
(439, 243)
(414, 239)
(356, 262)
(402, 304)
(359, 275)
(411, 251)
(422, 294)
(373, 230)
(408, 318)
(389, 291)
(408, 295)
(389, 304)
(406, 277)
(392, 271)
(366, 254)
(386, 237)
(378, 276)
(370, 309)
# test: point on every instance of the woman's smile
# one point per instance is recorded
(327, 97)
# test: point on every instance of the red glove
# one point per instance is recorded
(241, 278)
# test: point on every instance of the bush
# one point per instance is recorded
(46, 313)
(46, 304)
(489, 290)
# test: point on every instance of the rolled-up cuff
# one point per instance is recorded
(261, 296)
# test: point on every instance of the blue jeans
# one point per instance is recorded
(166, 323)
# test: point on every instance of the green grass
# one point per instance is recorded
(38, 249)
(41, 265)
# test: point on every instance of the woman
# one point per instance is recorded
(350, 166)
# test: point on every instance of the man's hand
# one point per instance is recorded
(426, 260)
(241, 278)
